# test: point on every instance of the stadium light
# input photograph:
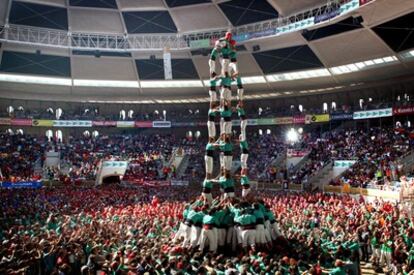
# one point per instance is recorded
(292, 136)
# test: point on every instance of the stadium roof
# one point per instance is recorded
(373, 42)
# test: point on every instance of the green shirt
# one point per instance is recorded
(225, 112)
(195, 217)
(239, 81)
(233, 53)
(213, 83)
(338, 271)
(226, 147)
(210, 147)
(226, 183)
(244, 145)
(209, 219)
(220, 214)
(207, 184)
(241, 112)
(245, 219)
(244, 180)
(226, 81)
(212, 112)
(258, 214)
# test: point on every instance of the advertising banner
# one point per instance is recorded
(342, 116)
(22, 184)
(72, 123)
(125, 124)
(319, 118)
(252, 122)
(235, 123)
(291, 153)
(350, 6)
(407, 110)
(202, 43)
(373, 113)
(300, 119)
(21, 122)
(5, 121)
(42, 122)
(344, 163)
(179, 182)
(265, 121)
(327, 16)
(143, 124)
(161, 124)
(283, 120)
(303, 24)
(104, 123)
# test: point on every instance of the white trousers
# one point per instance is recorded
(245, 192)
(209, 164)
(227, 161)
(211, 126)
(221, 236)
(273, 230)
(240, 93)
(213, 96)
(225, 65)
(181, 233)
(212, 65)
(234, 67)
(225, 94)
(260, 234)
(195, 235)
(386, 258)
(209, 197)
(248, 237)
(209, 237)
(231, 237)
(243, 125)
(243, 160)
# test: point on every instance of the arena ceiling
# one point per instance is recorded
(371, 44)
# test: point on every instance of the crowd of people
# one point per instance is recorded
(377, 153)
(130, 230)
(18, 155)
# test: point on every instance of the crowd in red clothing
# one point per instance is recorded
(124, 230)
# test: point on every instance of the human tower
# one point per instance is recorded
(224, 53)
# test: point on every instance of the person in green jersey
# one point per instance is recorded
(222, 47)
(209, 158)
(225, 122)
(226, 151)
(225, 90)
(339, 268)
(207, 186)
(184, 230)
(243, 120)
(386, 251)
(247, 229)
(260, 228)
(245, 183)
(211, 123)
(195, 217)
(209, 231)
(244, 150)
(213, 92)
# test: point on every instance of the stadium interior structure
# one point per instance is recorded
(103, 130)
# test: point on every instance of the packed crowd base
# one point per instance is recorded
(123, 230)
